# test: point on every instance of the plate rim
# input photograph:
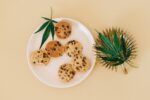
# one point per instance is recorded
(58, 86)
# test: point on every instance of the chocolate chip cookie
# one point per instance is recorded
(55, 49)
(66, 72)
(63, 29)
(73, 48)
(80, 63)
(40, 57)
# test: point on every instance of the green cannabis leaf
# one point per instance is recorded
(48, 27)
(114, 47)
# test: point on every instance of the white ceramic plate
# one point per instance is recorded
(48, 74)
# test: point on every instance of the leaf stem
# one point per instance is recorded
(51, 13)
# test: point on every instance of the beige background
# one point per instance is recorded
(19, 18)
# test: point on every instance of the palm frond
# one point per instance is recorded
(114, 47)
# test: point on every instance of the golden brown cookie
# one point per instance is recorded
(40, 57)
(80, 63)
(73, 48)
(66, 72)
(54, 48)
(63, 29)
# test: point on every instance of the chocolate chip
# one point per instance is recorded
(83, 60)
(44, 55)
(60, 71)
(78, 52)
(54, 49)
(55, 44)
(69, 55)
(67, 26)
(59, 43)
(77, 68)
(73, 73)
(65, 33)
(67, 47)
(83, 64)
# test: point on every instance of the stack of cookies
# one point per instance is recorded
(79, 62)
(73, 49)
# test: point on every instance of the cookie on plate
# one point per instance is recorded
(80, 63)
(54, 48)
(63, 29)
(66, 72)
(40, 57)
(73, 48)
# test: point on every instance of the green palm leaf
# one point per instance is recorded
(116, 42)
(46, 34)
(105, 50)
(49, 19)
(52, 27)
(107, 42)
(42, 27)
